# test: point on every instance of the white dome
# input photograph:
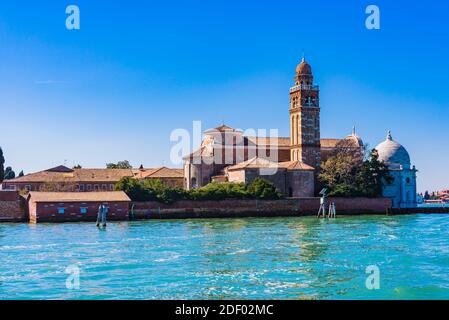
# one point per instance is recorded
(393, 154)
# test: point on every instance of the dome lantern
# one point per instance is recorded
(304, 74)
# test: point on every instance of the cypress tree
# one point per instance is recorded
(2, 165)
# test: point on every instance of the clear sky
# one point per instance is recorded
(136, 70)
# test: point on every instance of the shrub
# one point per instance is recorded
(136, 190)
(220, 191)
(263, 189)
(154, 190)
(149, 190)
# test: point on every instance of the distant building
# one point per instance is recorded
(62, 179)
(76, 206)
(402, 190)
(173, 178)
(439, 197)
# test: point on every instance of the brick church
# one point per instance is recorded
(291, 163)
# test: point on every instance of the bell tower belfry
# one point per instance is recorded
(305, 117)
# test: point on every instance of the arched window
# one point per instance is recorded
(408, 180)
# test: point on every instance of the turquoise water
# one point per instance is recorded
(282, 258)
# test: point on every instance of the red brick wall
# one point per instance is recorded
(11, 207)
(242, 208)
(48, 212)
(369, 205)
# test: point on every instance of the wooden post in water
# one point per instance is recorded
(332, 211)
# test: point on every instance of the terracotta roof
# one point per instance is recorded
(78, 196)
(295, 165)
(76, 175)
(268, 141)
(60, 169)
(254, 163)
(142, 173)
(60, 175)
(224, 128)
(257, 163)
(162, 173)
(353, 139)
(329, 143)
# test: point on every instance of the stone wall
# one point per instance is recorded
(255, 208)
(12, 207)
(301, 182)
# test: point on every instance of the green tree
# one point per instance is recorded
(372, 175)
(9, 173)
(21, 174)
(149, 190)
(78, 166)
(2, 166)
(339, 172)
(220, 191)
(154, 190)
(426, 195)
(263, 189)
(346, 174)
(135, 190)
(119, 165)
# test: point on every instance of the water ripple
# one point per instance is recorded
(285, 258)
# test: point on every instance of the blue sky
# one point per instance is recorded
(137, 70)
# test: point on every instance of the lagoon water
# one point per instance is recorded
(278, 258)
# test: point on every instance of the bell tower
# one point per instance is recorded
(305, 117)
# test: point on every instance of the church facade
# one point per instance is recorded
(227, 154)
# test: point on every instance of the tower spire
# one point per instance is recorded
(353, 131)
(303, 59)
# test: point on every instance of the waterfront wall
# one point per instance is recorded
(256, 208)
(48, 211)
(12, 207)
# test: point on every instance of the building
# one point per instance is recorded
(402, 189)
(12, 207)
(224, 146)
(76, 206)
(172, 178)
(305, 140)
(63, 179)
(292, 178)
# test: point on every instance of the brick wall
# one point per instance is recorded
(251, 208)
(369, 205)
(48, 211)
(12, 207)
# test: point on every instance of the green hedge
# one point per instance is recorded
(154, 190)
